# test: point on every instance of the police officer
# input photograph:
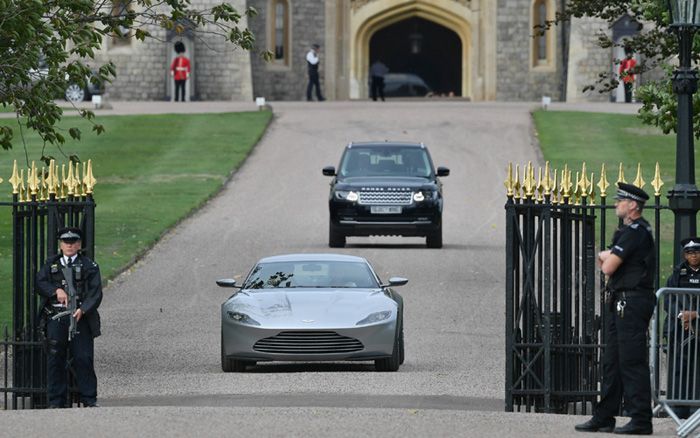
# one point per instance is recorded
(51, 285)
(312, 63)
(681, 339)
(629, 265)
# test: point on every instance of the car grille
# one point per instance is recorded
(308, 342)
(381, 197)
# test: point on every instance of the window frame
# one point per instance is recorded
(273, 32)
(121, 40)
(537, 61)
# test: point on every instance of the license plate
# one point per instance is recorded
(385, 209)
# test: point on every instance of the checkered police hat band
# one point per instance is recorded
(69, 235)
(624, 194)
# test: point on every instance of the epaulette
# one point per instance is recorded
(634, 226)
(683, 272)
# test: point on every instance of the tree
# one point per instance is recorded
(654, 42)
(47, 44)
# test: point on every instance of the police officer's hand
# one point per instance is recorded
(78, 314)
(61, 296)
(687, 316)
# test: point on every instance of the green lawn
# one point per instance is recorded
(151, 172)
(577, 137)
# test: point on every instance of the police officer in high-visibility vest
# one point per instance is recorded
(630, 266)
(52, 286)
(681, 316)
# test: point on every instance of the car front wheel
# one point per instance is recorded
(393, 362)
(434, 238)
(336, 239)
(75, 93)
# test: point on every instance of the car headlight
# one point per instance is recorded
(347, 195)
(242, 318)
(419, 197)
(375, 317)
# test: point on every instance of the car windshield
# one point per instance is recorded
(316, 274)
(385, 161)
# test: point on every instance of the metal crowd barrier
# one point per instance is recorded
(673, 356)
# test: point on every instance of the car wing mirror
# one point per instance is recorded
(329, 170)
(443, 171)
(396, 281)
(227, 282)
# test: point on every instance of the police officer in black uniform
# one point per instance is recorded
(52, 287)
(629, 265)
(681, 339)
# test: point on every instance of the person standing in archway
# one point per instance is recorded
(312, 61)
(627, 67)
(180, 70)
(377, 71)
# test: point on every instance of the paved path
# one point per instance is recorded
(158, 360)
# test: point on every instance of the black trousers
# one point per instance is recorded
(628, 91)
(626, 361)
(314, 82)
(377, 87)
(82, 350)
(180, 88)
(683, 374)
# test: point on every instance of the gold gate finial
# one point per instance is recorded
(583, 183)
(657, 182)
(32, 180)
(516, 184)
(591, 190)
(565, 182)
(529, 180)
(51, 180)
(603, 183)
(639, 181)
(547, 182)
(89, 179)
(621, 175)
(508, 182)
(15, 179)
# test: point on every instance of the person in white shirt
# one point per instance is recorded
(312, 61)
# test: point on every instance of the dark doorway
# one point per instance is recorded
(418, 47)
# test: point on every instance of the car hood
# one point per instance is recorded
(310, 308)
(357, 183)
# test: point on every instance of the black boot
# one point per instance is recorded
(596, 425)
(635, 428)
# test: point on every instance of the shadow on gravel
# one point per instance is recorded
(310, 367)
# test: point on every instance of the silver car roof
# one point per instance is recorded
(312, 258)
(387, 143)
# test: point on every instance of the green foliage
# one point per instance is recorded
(47, 44)
(658, 49)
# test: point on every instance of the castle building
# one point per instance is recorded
(475, 49)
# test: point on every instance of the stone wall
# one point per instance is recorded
(587, 60)
(221, 72)
(307, 23)
(516, 78)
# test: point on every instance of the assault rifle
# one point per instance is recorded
(72, 302)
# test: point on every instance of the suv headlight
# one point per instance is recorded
(375, 317)
(346, 195)
(242, 318)
(419, 197)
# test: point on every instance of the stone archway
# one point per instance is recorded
(380, 14)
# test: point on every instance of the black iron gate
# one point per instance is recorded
(39, 209)
(554, 308)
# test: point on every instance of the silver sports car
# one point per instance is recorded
(312, 307)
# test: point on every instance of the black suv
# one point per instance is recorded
(385, 188)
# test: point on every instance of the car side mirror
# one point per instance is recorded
(396, 281)
(227, 282)
(443, 171)
(329, 170)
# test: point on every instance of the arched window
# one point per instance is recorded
(542, 41)
(279, 38)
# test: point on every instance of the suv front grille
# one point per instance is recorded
(308, 342)
(377, 197)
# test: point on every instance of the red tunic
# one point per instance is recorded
(626, 68)
(180, 68)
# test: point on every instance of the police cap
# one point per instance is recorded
(691, 244)
(629, 191)
(70, 234)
